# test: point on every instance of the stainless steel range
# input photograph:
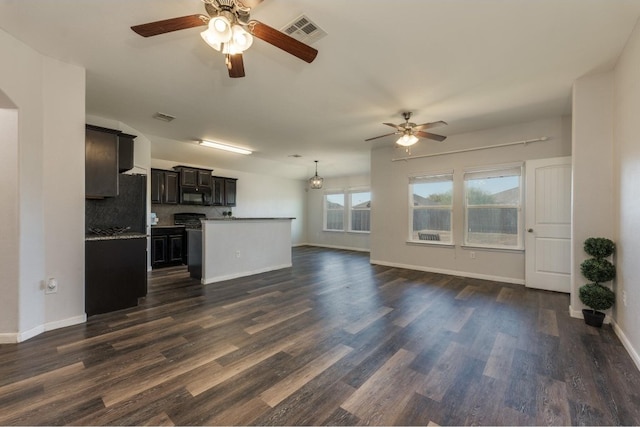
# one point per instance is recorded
(190, 220)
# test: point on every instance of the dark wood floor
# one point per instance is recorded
(332, 340)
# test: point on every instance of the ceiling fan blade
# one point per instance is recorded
(169, 25)
(429, 125)
(235, 64)
(381, 136)
(428, 135)
(394, 126)
(282, 41)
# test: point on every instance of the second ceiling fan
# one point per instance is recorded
(230, 31)
(410, 132)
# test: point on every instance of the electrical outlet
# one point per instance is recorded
(237, 254)
(472, 255)
(624, 298)
(51, 286)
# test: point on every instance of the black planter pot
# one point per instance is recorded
(593, 318)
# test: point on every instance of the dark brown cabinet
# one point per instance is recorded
(195, 185)
(194, 178)
(164, 186)
(108, 152)
(101, 162)
(224, 191)
(125, 152)
(167, 246)
(115, 274)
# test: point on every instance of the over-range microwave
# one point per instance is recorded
(190, 196)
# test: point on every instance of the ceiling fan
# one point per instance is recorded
(410, 132)
(230, 31)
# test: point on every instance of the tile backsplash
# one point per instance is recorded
(165, 212)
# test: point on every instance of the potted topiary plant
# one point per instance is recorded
(597, 270)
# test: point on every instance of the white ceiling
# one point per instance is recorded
(473, 63)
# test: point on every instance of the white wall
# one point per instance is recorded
(315, 215)
(592, 161)
(390, 208)
(9, 235)
(261, 196)
(627, 178)
(63, 191)
(49, 97)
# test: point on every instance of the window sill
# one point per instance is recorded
(492, 249)
(347, 231)
(429, 243)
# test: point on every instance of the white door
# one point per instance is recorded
(548, 224)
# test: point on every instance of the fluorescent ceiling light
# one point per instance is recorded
(225, 147)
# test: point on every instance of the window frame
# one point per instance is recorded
(489, 172)
(350, 209)
(325, 209)
(446, 176)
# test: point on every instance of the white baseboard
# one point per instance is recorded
(76, 320)
(627, 344)
(25, 335)
(14, 338)
(451, 272)
(210, 280)
(345, 248)
(8, 338)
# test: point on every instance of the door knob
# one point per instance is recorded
(530, 230)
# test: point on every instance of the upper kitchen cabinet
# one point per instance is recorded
(101, 162)
(164, 186)
(125, 152)
(194, 178)
(224, 191)
(107, 153)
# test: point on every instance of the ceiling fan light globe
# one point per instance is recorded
(407, 140)
(241, 39)
(219, 29)
(214, 44)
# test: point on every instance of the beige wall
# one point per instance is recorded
(626, 134)
(592, 161)
(9, 235)
(315, 215)
(390, 212)
(49, 242)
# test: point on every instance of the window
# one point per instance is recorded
(360, 210)
(431, 198)
(334, 211)
(347, 210)
(493, 207)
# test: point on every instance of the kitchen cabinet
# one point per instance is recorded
(164, 186)
(108, 152)
(101, 162)
(195, 185)
(194, 178)
(224, 191)
(125, 152)
(167, 246)
(115, 274)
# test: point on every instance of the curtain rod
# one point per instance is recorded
(464, 150)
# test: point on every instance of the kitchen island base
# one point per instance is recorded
(243, 247)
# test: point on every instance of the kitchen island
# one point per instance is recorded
(240, 247)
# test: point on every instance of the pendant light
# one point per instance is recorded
(315, 182)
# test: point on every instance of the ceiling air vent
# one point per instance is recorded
(304, 30)
(163, 117)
